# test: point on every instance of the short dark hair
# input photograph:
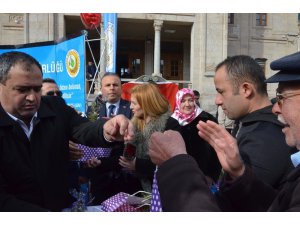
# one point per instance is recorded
(110, 74)
(49, 80)
(9, 59)
(243, 68)
(196, 93)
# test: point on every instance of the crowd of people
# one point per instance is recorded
(186, 158)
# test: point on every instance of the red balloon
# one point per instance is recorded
(90, 20)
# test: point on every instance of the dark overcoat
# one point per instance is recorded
(184, 188)
(202, 152)
(33, 172)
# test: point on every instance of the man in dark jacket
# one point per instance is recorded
(242, 94)
(240, 184)
(91, 71)
(34, 137)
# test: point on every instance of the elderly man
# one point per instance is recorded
(33, 173)
(182, 185)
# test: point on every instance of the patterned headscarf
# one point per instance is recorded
(181, 117)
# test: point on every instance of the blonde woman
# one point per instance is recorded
(151, 112)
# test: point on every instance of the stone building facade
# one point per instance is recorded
(191, 45)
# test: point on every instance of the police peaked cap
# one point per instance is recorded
(289, 69)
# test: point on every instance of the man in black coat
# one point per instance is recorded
(34, 136)
(177, 171)
(242, 94)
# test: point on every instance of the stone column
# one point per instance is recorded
(26, 27)
(157, 27)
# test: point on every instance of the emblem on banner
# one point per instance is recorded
(72, 63)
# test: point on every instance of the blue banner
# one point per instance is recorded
(110, 28)
(65, 63)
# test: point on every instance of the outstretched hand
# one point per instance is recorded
(118, 128)
(163, 146)
(225, 146)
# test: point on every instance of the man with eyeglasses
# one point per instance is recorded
(180, 179)
(50, 88)
(281, 96)
(34, 137)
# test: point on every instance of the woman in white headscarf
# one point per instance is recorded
(188, 114)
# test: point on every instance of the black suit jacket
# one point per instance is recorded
(112, 163)
(33, 173)
(124, 109)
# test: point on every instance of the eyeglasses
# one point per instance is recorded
(281, 96)
(52, 93)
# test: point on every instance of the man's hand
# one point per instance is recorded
(225, 146)
(118, 128)
(75, 152)
(163, 146)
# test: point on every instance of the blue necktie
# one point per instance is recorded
(111, 109)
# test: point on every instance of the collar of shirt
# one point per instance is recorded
(27, 130)
(295, 158)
